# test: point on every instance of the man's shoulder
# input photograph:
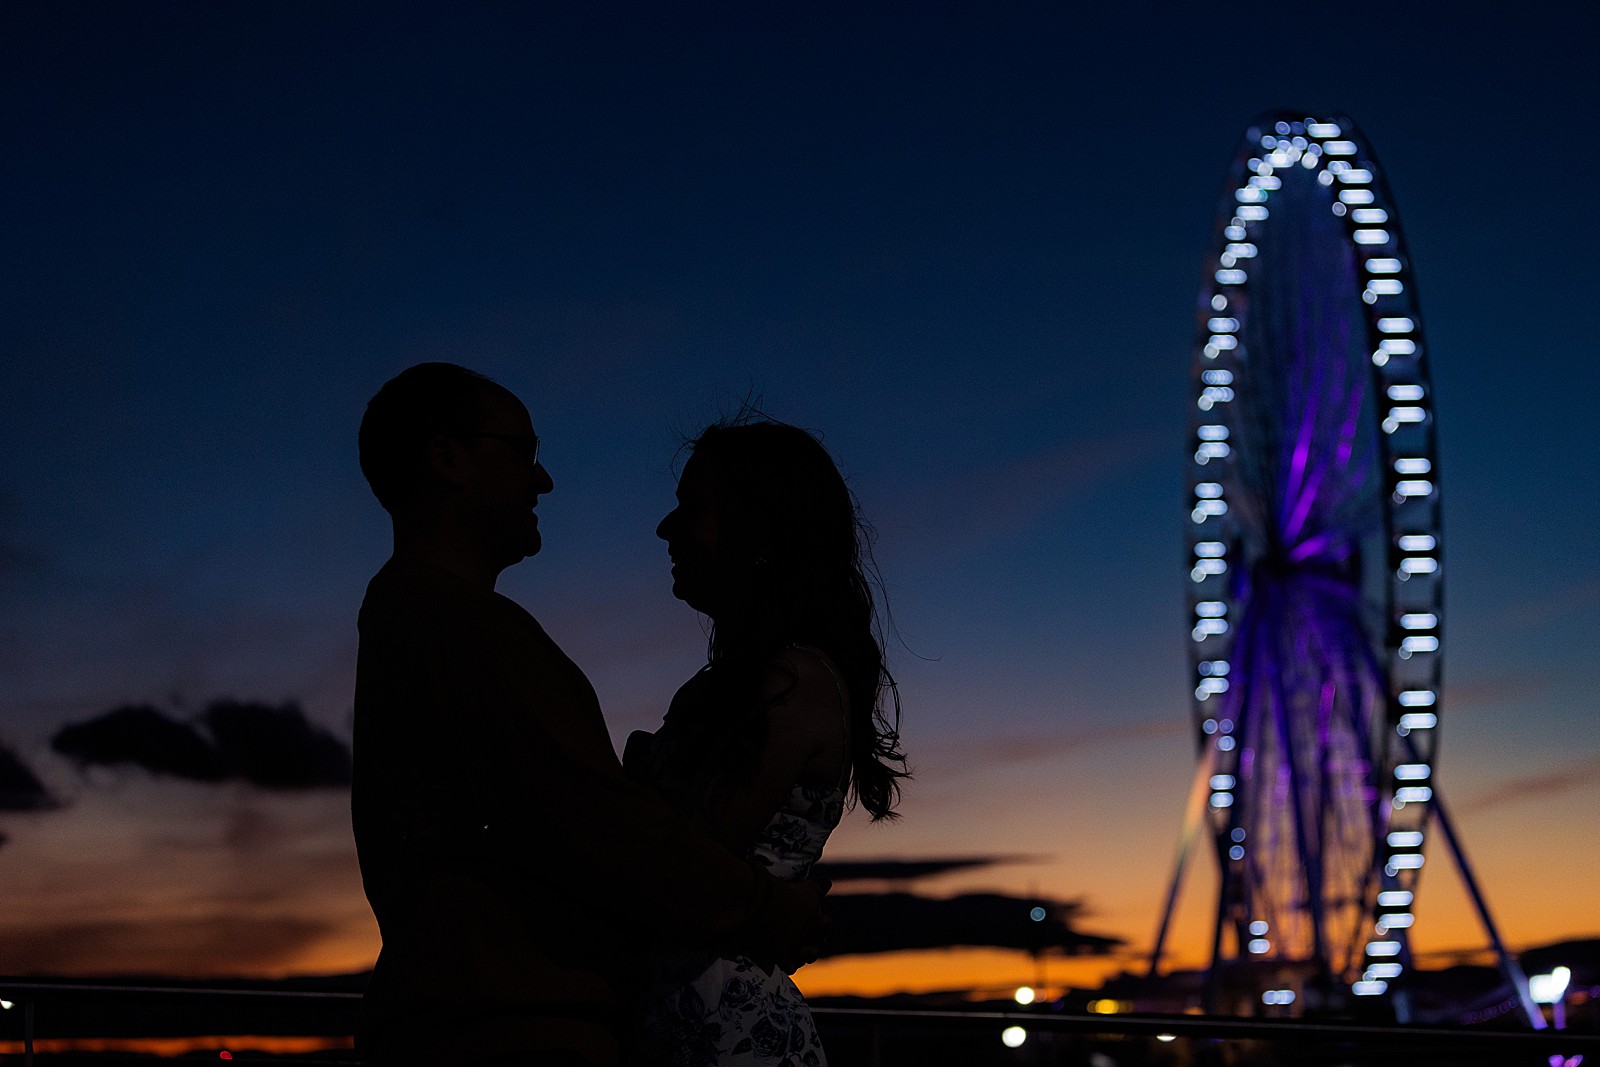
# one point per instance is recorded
(409, 593)
(404, 592)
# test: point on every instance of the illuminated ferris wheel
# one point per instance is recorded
(1314, 578)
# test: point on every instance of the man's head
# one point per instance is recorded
(448, 450)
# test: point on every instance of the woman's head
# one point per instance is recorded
(767, 541)
(765, 534)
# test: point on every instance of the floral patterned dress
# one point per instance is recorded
(733, 1012)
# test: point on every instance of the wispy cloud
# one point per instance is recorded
(1570, 599)
(183, 945)
(976, 507)
(956, 758)
(1583, 772)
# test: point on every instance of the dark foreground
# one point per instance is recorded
(83, 1023)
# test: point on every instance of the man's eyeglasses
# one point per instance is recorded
(526, 444)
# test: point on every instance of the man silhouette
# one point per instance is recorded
(516, 873)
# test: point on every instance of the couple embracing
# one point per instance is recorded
(540, 901)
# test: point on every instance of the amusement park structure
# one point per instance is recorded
(1315, 585)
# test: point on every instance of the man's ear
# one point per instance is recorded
(444, 458)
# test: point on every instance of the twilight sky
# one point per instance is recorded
(962, 241)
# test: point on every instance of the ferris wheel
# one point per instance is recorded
(1315, 579)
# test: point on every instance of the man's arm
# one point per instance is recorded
(564, 801)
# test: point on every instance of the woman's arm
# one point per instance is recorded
(807, 741)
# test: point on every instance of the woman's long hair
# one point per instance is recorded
(791, 535)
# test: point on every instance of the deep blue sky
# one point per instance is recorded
(962, 241)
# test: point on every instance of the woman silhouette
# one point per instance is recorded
(783, 725)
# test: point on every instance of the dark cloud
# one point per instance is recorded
(893, 922)
(273, 747)
(277, 748)
(901, 870)
(140, 735)
(20, 788)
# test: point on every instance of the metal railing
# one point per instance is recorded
(66, 1023)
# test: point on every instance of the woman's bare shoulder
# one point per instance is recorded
(807, 674)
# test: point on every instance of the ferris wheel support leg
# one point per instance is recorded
(1194, 814)
(1508, 963)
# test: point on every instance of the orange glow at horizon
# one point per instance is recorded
(172, 1047)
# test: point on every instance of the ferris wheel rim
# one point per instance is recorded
(1338, 154)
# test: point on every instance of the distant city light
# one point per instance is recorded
(1549, 988)
(1024, 994)
(1013, 1036)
